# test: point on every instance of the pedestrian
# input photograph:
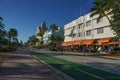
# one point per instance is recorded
(100, 49)
(84, 50)
(110, 50)
(61, 50)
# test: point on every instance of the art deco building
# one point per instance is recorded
(85, 31)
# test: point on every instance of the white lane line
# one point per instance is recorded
(90, 74)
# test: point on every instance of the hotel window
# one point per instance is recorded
(81, 26)
(88, 23)
(100, 31)
(74, 35)
(81, 34)
(74, 27)
(94, 22)
(88, 33)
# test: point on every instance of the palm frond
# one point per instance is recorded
(1, 18)
(98, 19)
(93, 14)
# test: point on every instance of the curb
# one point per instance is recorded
(63, 75)
(111, 57)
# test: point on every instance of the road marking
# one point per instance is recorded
(100, 78)
(115, 69)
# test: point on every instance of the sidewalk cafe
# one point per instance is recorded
(92, 45)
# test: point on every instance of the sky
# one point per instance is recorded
(26, 15)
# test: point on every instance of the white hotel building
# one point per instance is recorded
(86, 28)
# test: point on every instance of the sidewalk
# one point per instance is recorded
(22, 66)
(111, 57)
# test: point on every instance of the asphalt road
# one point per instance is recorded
(109, 65)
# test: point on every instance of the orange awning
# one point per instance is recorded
(103, 40)
(113, 43)
(67, 43)
(88, 42)
(77, 42)
(64, 44)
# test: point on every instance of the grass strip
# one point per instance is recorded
(82, 73)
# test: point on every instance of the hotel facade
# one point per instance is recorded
(86, 31)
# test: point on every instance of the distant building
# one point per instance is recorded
(43, 34)
(48, 34)
(46, 37)
(38, 36)
(40, 32)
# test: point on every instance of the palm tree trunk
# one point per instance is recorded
(108, 19)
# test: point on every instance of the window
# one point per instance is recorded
(100, 30)
(88, 33)
(94, 22)
(81, 34)
(74, 27)
(74, 35)
(81, 26)
(88, 23)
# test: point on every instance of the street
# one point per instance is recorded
(109, 65)
(112, 66)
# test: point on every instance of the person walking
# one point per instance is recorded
(110, 50)
(84, 50)
(100, 49)
(61, 50)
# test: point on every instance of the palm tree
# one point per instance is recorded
(44, 27)
(12, 34)
(59, 39)
(32, 40)
(106, 7)
(2, 32)
(1, 27)
(1, 24)
(116, 18)
(53, 27)
(101, 8)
